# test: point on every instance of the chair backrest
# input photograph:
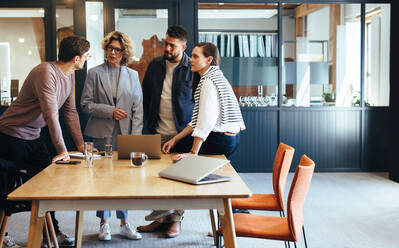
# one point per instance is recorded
(281, 167)
(296, 197)
(10, 179)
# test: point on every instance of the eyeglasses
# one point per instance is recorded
(116, 49)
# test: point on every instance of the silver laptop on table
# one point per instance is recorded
(195, 170)
(150, 144)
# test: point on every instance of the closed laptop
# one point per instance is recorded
(196, 170)
(150, 144)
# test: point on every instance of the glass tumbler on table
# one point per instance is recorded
(88, 146)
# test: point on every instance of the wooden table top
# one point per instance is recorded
(116, 179)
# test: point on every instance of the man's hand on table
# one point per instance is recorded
(63, 157)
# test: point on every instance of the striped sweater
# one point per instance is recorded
(230, 109)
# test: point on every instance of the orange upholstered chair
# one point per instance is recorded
(275, 201)
(280, 228)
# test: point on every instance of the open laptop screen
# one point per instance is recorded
(150, 144)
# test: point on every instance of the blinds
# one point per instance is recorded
(243, 45)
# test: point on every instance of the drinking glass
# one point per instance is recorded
(108, 147)
(88, 146)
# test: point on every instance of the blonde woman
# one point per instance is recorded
(112, 97)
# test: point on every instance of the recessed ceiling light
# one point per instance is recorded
(21, 40)
(30, 52)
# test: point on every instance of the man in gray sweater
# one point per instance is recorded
(49, 87)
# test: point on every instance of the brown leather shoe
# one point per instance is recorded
(155, 226)
(174, 229)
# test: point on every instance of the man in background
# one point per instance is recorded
(168, 106)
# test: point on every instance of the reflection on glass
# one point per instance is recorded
(95, 32)
(22, 47)
(64, 22)
(377, 54)
(321, 55)
(146, 28)
(248, 46)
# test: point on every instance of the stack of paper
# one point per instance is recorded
(82, 156)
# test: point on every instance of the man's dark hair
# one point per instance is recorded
(177, 32)
(72, 46)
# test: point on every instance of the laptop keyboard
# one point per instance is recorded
(211, 177)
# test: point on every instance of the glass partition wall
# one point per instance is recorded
(22, 47)
(377, 54)
(246, 36)
(322, 55)
(321, 52)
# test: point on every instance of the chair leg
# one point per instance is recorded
(2, 215)
(214, 224)
(295, 244)
(282, 215)
(3, 229)
(51, 229)
(46, 234)
(304, 236)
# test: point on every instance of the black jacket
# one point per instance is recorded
(182, 97)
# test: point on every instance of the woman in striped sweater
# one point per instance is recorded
(217, 121)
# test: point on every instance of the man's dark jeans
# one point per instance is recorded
(30, 155)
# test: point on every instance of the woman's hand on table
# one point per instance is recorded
(181, 156)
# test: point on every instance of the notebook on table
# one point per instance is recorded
(196, 170)
(149, 144)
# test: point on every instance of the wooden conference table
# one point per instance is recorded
(114, 184)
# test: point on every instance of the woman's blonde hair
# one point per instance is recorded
(126, 43)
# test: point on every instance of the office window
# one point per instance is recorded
(95, 32)
(246, 35)
(22, 47)
(321, 54)
(64, 22)
(377, 54)
(147, 30)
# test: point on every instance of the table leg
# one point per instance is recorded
(35, 227)
(229, 232)
(78, 229)
(213, 215)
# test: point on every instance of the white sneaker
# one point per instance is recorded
(105, 232)
(128, 232)
(9, 242)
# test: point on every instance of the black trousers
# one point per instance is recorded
(215, 143)
(29, 155)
